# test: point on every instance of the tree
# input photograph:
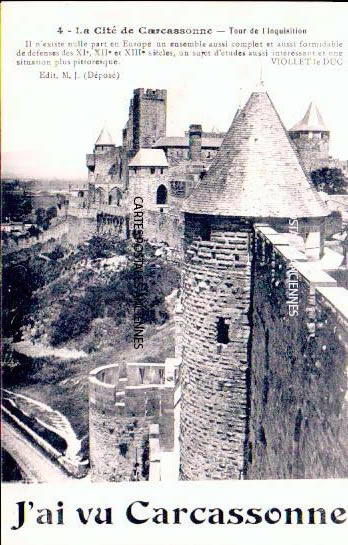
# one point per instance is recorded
(99, 247)
(40, 216)
(72, 321)
(330, 180)
(51, 212)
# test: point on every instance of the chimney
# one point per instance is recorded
(195, 142)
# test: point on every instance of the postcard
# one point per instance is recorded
(174, 273)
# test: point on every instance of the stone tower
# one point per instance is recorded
(311, 138)
(147, 118)
(255, 177)
(104, 170)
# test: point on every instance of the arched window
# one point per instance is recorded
(162, 195)
(115, 196)
(100, 196)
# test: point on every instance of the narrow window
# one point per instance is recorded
(205, 231)
(222, 331)
(162, 195)
(152, 170)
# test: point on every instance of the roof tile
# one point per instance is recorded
(256, 172)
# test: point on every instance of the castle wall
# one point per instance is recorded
(80, 229)
(149, 116)
(121, 411)
(214, 374)
(314, 151)
(57, 232)
(298, 388)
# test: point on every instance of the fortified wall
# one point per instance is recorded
(124, 404)
(216, 334)
(298, 387)
(57, 232)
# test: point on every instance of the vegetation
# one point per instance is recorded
(81, 299)
(330, 180)
(114, 300)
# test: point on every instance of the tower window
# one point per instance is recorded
(205, 231)
(161, 195)
(222, 331)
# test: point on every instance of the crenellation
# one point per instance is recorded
(261, 371)
(309, 344)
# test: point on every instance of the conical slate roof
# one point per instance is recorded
(256, 172)
(312, 121)
(104, 138)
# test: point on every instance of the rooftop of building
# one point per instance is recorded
(147, 157)
(104, 138)
(312, 121)
(256, 172)
(183, 142)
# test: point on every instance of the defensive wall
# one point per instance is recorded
(124, 402)
(55, 232)
(216, 338)
(298, 424)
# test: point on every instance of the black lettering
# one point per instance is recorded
(129, 512)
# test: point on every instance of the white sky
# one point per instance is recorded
(49, 125)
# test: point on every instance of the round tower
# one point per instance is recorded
(311, 138)
(103, 169)
(255, 177)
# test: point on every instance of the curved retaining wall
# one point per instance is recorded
(121, 410)
(73, 467)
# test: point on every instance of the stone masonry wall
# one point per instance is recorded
(149, 116)
(298, 413)
(314, 152)
(216, 335)
(121, 411)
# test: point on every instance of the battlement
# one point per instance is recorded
(299, 364)
(146, 381)
(124, 403)
(153, 94)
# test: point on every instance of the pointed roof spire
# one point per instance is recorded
(260, 86)
(104, 138)
(256, 172)
(312, 121)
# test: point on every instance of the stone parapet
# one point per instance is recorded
(299, 360)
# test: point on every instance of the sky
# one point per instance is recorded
(49, 125)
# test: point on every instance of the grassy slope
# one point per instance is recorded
(70, 396)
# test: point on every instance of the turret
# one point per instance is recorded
(255, 177)
(311, 138)
(104, 141)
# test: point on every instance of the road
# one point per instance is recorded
(36, 467)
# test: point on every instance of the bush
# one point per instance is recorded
(330, 180)
(72, 321)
